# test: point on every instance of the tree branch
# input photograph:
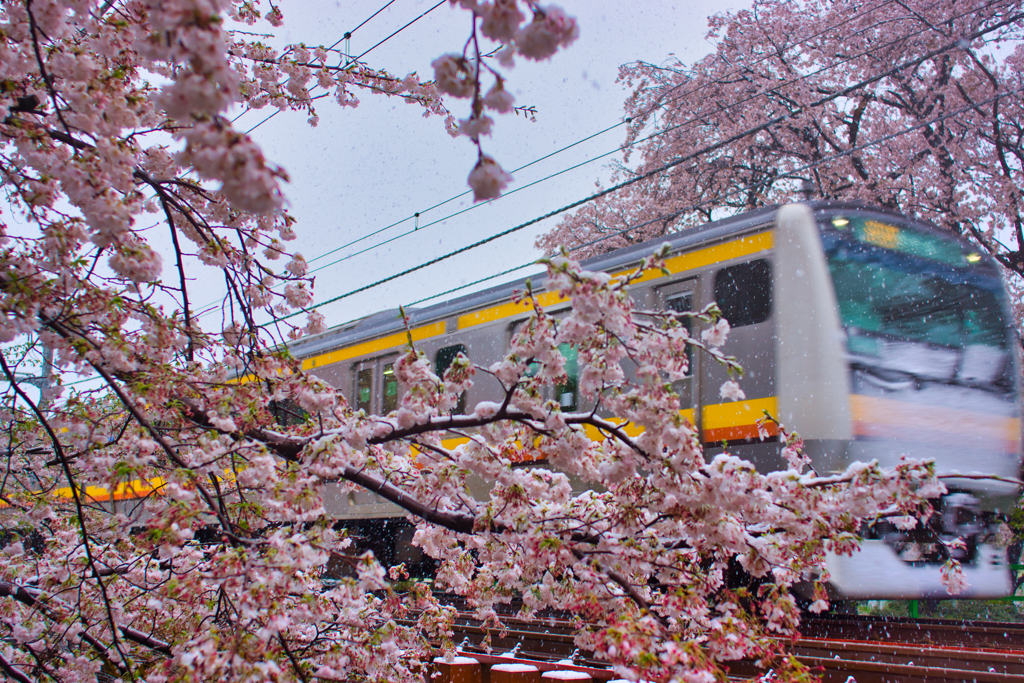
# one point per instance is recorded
(13, 672)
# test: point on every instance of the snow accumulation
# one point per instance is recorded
(455, 660)
(514, 668)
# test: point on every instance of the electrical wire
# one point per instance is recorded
(656, 134)
(458, 213)
(348, 34)
(356, 59)
(399, 31)
(463, 194)
(365, 21)
(678, 212)
(672, 164)
(602, 132)
(212, 306)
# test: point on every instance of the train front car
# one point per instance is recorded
(920, 343)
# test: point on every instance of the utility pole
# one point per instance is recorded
(807, 189)
(44, 380)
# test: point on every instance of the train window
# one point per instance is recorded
(287, 412)
(683, 304)
(567, 394)
(389, 389)
(443, 360)
(744, 292)
(376, 386)
(446, 356)
(682, 301)
(364, 389)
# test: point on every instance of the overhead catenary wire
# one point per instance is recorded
(356, 59)
(715, 146)
(673, 214)
(347, 35)
(676, 162)
(647, 138)
(663, 217)
(458, 213)
(594, 135)
(463, 194)
(209, 308)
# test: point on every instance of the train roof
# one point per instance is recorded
(388, 321)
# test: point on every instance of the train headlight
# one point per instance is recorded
(973, 257)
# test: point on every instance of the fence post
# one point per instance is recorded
(514, 673)
(456, 670)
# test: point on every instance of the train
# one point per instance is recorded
(871, 334)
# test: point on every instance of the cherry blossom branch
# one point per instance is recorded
(41, 63)
(31, 598)
(86, 541)
(16, 674)
(627, 587)
(187, 311)
(158, 437)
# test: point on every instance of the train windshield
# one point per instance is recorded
(917, 302)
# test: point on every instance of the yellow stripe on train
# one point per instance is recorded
(739, 417)
(373, 346)
(745, 246)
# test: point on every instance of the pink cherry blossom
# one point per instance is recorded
(731, 391)
(716, 334)
(179, 523)
(550, 29)
(453, 75)
(137, 262)
(488, 179)
(500, 19)
(836, 138)
(499, 99)
(475, 127)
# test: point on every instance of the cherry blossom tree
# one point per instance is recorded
(206, 564)
(911, 104)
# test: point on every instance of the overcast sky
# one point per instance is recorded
(376, 165)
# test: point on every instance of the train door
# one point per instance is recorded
(375, 385)
(567, 393)
(443, 360)
(375, 390)
(743, 292)
(682, 297)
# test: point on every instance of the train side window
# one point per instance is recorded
(683, 304)
(287, 412)
(567, 394)
(443, 360)
(364, 389)
(389, 389)
(744, 292)
(376, 386)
